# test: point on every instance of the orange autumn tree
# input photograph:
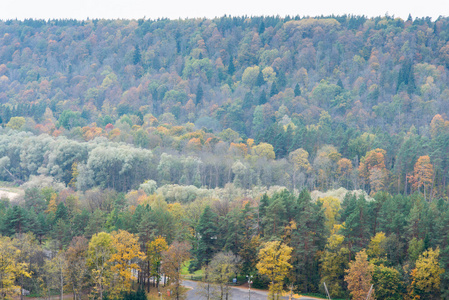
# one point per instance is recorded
(92, 131)
(372, 169)
(238, 149)
(194, 144)
(359, 277)
(423, 174)
(172, 262)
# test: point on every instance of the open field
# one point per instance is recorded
(12, 193)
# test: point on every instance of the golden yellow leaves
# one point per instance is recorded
(274, 262)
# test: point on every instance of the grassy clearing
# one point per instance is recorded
(185, 270)
(10, 187)
(197, 275)
(9, 191)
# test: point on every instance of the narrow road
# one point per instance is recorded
(237, 293)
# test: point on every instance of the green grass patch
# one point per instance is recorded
(185, 270)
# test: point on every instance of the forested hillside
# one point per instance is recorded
(336, 88)
(210, 133)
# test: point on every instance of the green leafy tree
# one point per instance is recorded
(387, 283)
(222, 267)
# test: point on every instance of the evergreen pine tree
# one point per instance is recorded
(297, 90)
(199, 93)
(207, 235)
(231, 67)
(275, 219)
(281, 79)
(248, 101)
(233, 227)
(136, 56)
(411, 87)
(340, 83)
(355, 214)
(264, 202)
(274, 89)
(260, 81)
(310, 238)
(262, 98)
(261, 27)
(61, 212)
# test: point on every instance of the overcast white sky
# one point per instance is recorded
(174, 9)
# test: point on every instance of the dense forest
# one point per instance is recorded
(205, 136)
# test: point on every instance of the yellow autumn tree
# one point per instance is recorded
(274, 260)
(124, 261)
(359, 277)
(75, 173)
(10, 268)
(438, 125)
(334, 260)
(52, 205)
(154, 254)
(331, 207)
(16, 123)
(376, 250)
(264, 150)
(250, 142)
(98, 256)
(426, 276)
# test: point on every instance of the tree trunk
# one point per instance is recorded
(62, 285)
(405, 185)
(147, 279)
(21, 287)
